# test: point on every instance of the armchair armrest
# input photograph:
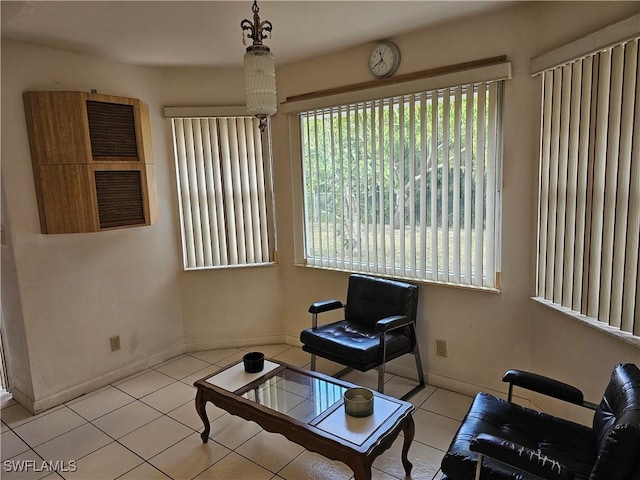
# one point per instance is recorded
(544, 385)
(392, 322)
(520, 457)
(325, 306)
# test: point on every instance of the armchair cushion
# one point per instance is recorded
(608, 451)
(520, 457)
(571, 444)
(617, 424)
(371, 299)
(353, 344)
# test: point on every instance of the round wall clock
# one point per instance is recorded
(384, 59)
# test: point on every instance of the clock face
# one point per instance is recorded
(384, 59)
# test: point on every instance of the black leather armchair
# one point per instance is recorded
(378, 326)
(501, 440)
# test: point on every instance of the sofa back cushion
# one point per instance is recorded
(370, 299)
(617, 427)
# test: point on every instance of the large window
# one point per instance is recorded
(589, 221)
(224, 178)
(406, 186)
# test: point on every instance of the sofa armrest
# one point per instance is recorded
(544, 385)
(325, 306)
(392, 322)
(520, 457)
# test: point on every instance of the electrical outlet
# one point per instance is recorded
(441, 348)
(115, 343)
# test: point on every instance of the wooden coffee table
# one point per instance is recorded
(307, 408)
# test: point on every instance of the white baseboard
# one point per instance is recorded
(405, 367)
(70, 393)
(397, 367)
(459, 386)
(471, 390)
(198, 345)
(75, 391)
(292, 340)
(22, 399)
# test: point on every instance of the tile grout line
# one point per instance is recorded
(192, 430)
(134, 399)
(90, 422)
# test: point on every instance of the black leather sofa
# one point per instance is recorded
(518, 443)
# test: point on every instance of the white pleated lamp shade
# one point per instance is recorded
(260, 82)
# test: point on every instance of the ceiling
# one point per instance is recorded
(207, 33)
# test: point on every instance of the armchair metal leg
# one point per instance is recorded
(381, 378)
(313, 362)
(383, 349)
(479, 466)
(416, 354)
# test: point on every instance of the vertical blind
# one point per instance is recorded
(222, 192)
(406, 186)
(589, 211)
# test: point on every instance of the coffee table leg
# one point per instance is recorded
(361, 469)
(201, 408)
(409, 431)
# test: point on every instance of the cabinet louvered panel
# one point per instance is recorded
(120, 199)
(92, 161)
(112, 130)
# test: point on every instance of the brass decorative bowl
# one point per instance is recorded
(358, 402)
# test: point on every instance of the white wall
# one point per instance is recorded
(468, 320)
(72, 292)
(572, 352)
(76, 291)
(227, 307)
(486, 333)
(16, 355)
(562, 346)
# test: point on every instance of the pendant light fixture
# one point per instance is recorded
(259, 68)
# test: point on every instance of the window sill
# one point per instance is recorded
(404, 279)
(231, 267)
(612, 331)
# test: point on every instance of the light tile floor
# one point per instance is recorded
(145, 427)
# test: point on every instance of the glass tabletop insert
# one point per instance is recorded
(295, 394)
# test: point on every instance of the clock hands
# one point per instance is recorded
(381, 62)
(381, 59)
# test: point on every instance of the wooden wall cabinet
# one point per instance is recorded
(92, 161)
